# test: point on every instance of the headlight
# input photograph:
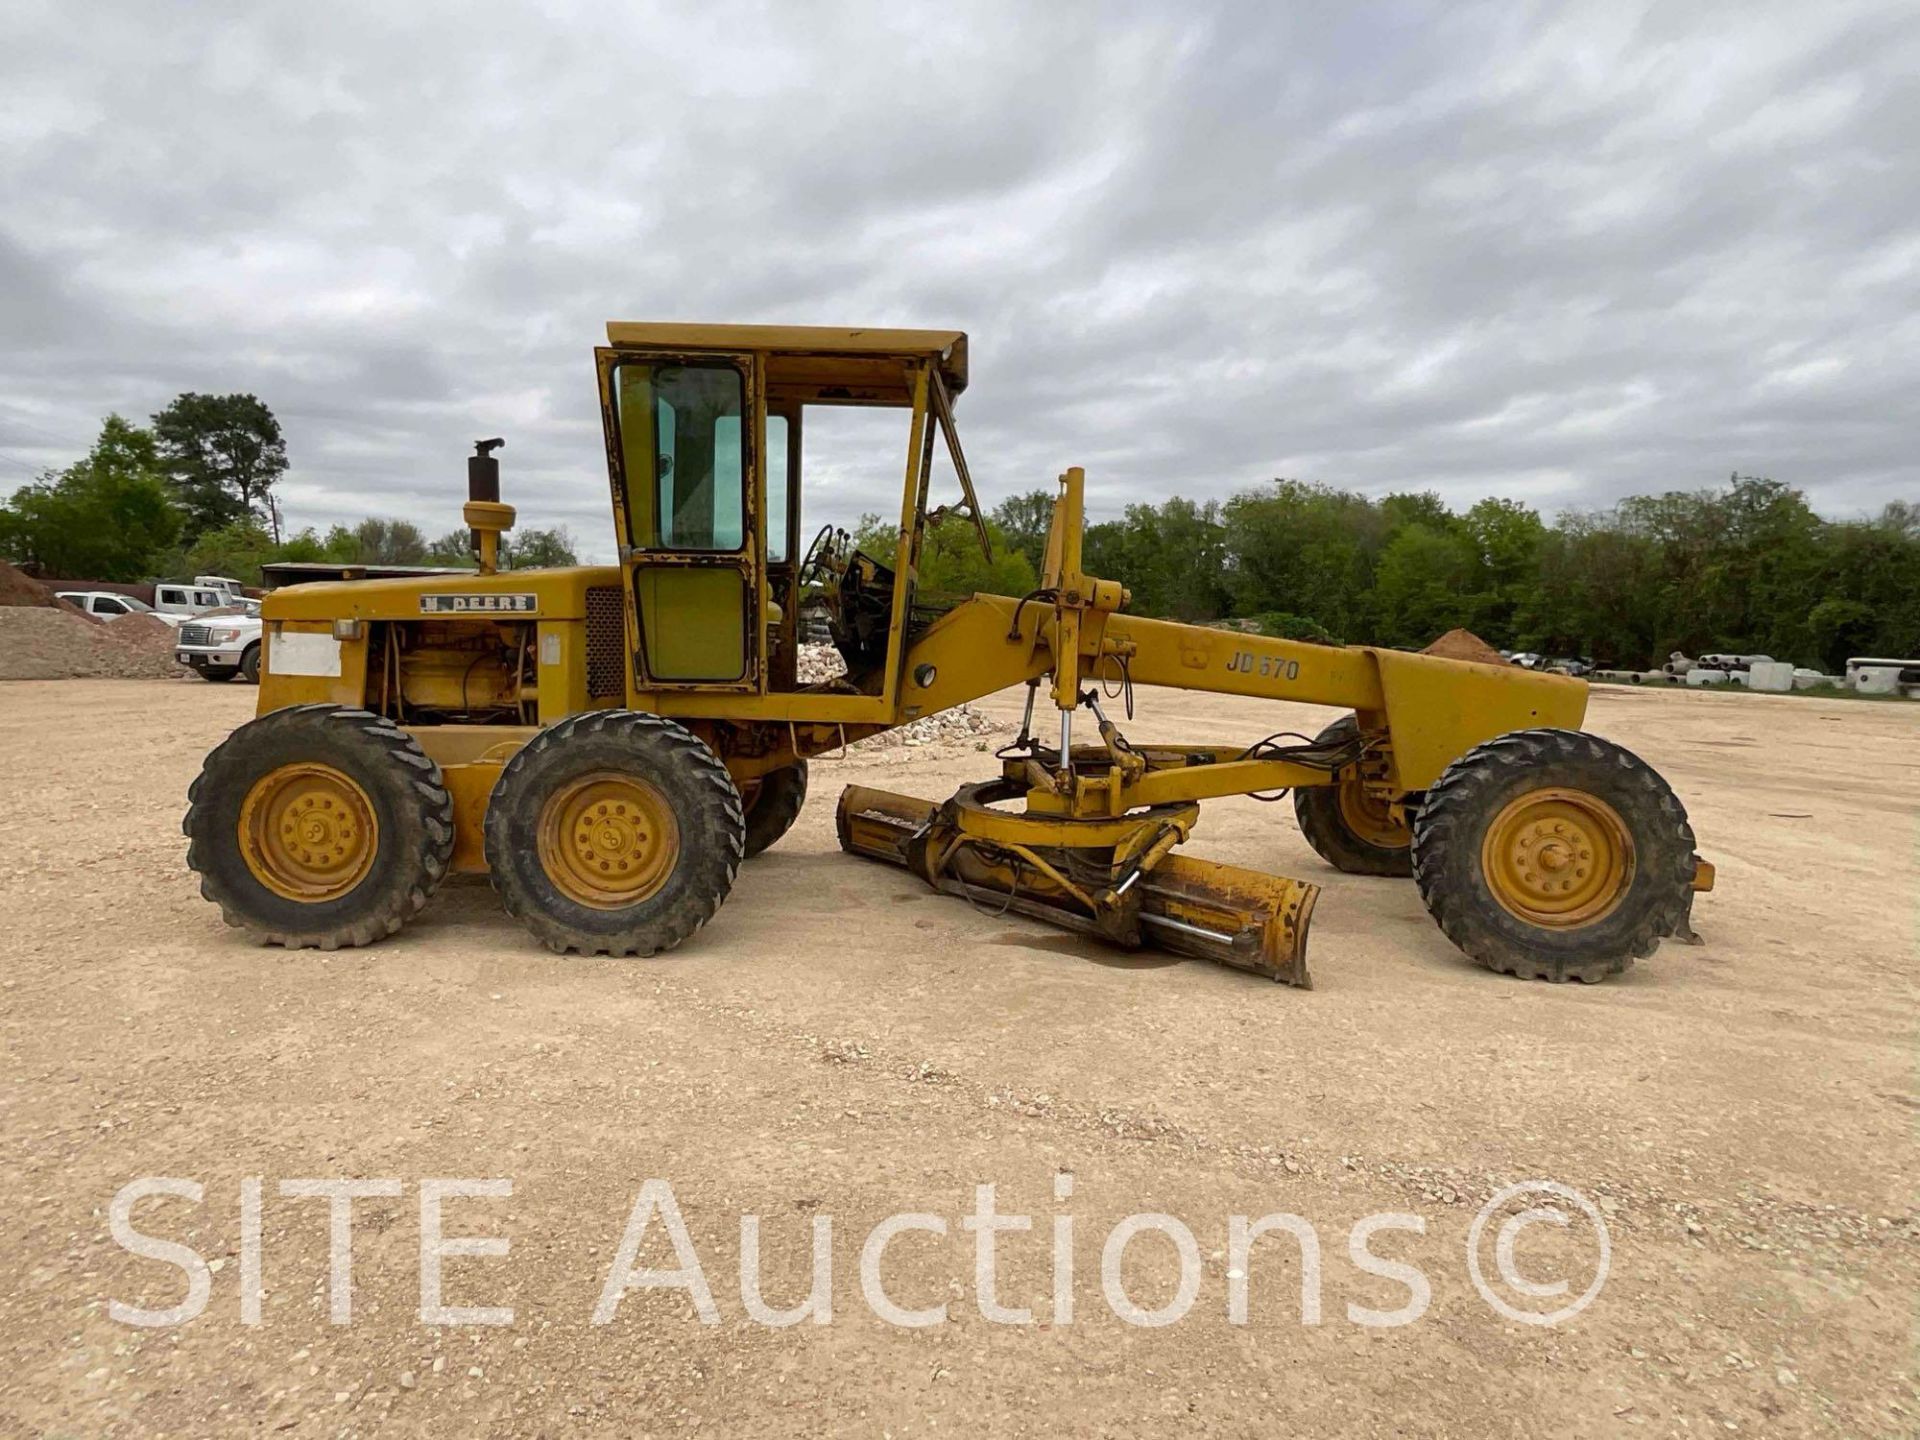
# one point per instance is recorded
(223, 637)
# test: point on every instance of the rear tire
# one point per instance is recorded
(1554, 855)
(380, 838)
(774, 806)
(1332, 816)
(614, 832)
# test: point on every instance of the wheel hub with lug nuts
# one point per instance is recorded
(1558, 858)
(608, 840)
(308, 832)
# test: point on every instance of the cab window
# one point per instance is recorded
(776, 468)
(681, 455)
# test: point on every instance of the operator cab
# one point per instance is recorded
(705, 429)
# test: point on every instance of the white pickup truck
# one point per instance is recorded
(223, 643)
(110, 604)
(207, 592)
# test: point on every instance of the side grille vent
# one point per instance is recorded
(606, 643)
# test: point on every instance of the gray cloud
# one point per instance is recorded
(1526, 251)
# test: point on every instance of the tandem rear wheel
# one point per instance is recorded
(772, 803)
(614, 832)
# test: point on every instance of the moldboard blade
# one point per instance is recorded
(1243, 918)
(878, 823)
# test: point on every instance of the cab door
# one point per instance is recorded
(682, 440)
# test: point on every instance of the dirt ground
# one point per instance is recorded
(842, 1043)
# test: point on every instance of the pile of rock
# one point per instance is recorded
(40, 643)
(42, 637)
(820, 663)
(949, 727)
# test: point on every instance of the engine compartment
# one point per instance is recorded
(468, 671)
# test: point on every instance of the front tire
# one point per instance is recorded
(1554, 855)
(218, 674)
(250, 665)
(1348, 828)
(614, 832)
(319, 826)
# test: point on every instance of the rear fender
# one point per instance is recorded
(1437, 710)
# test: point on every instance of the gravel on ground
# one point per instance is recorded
(840, 1042)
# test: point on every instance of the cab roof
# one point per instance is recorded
(813, 362)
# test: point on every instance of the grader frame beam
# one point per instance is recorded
(1427, 710)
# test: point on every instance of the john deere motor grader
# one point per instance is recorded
(609, 742)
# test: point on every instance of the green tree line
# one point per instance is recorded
(1745, 568)
(192, 494)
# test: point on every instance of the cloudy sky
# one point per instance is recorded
(1562, 253)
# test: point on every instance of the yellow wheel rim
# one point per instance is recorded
(1369, 817)
(308, 832)
(608, 840)
(1559, 859)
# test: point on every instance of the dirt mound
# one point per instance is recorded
(55, 643)
(43, 637)
(1464, 645)
(142, 628)
(150, 640)
(19, 588)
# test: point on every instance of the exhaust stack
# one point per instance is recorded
(487, 519)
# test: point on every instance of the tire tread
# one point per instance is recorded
(1446, 844)
(304, 722)
(643, 733)
(775, 807)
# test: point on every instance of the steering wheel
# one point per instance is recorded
(825, 562)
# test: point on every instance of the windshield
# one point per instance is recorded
(137, 606)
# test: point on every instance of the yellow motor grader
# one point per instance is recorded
(608, 743)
